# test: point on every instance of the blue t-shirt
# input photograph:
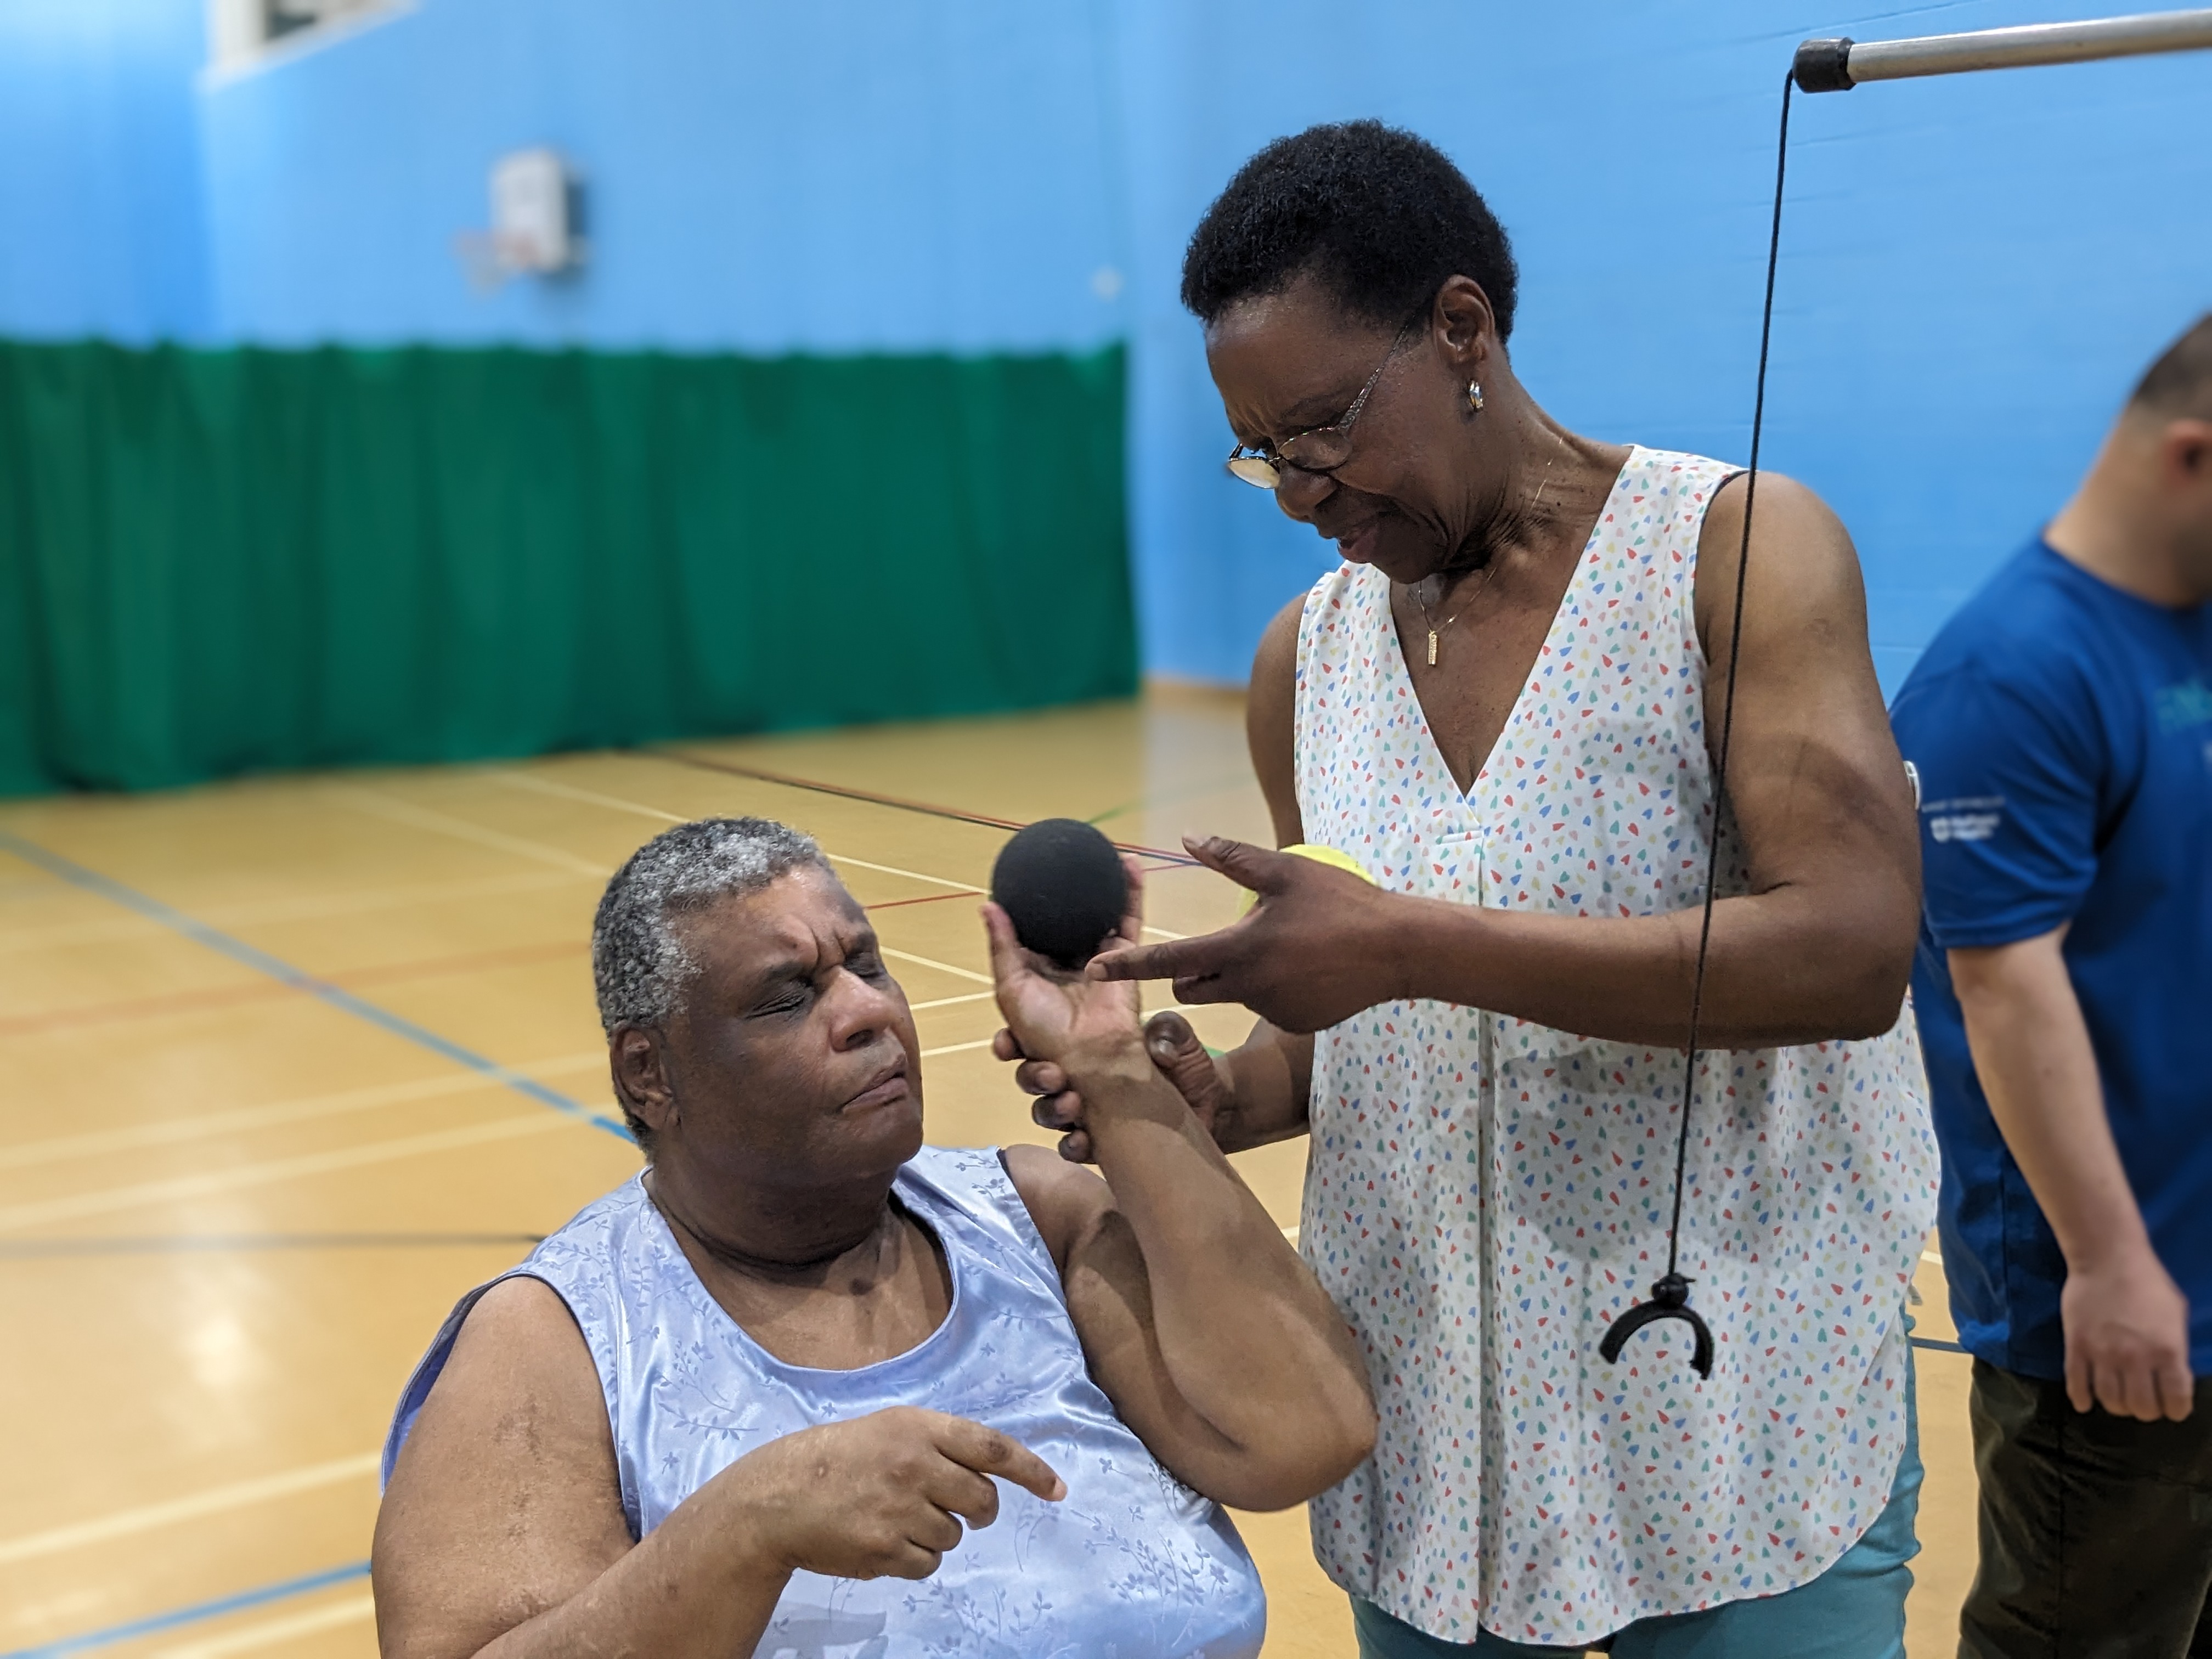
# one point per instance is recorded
(2063, 732)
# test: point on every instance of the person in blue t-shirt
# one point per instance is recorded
(2061, 725)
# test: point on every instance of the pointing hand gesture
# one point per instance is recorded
(881, 1495)
(1316, 948)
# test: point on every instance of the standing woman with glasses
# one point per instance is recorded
(1503, 705)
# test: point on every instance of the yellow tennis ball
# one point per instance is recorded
(1320, 854)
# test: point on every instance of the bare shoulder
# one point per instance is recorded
(504, 1499)
(1794, 505)
(1816, 778)
(1802, 559)
(519, 1343)
(1066, 1201)
(1276, 661)
(518, 1402)
(1271, 718)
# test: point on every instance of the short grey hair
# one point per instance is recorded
(639, 965)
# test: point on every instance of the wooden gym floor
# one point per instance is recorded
(289, 1064)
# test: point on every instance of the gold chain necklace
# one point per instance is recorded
(1415, 589)
(1433, 630)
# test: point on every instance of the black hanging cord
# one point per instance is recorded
(1670, 1296)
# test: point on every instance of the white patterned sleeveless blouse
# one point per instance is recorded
(1130, 1563)
(1484, 1195)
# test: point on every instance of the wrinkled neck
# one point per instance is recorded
(1541, 502)
(774, 1233)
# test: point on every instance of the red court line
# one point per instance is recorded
(927, 898)
(185, 1002)
(977, 892)
(683, 757)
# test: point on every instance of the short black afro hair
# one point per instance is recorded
(1380, 217)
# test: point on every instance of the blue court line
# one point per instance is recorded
(1935, 1342)
(198, 1612)
(179, 1243)
(262, 963)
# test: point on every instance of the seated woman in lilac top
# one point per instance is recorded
(801, 1358)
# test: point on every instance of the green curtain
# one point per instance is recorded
(216, 562)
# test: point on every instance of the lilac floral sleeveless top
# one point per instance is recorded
(1485, 1195)
(1130, 1563)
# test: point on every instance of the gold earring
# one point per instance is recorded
(1474, 394)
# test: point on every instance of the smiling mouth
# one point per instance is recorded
(1357, 544)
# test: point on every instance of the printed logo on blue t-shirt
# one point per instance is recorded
(2184, 704)
(1970, 817)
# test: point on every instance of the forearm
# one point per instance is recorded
(685, 1592)
(1787, 966)
(1251, 1344)
(2032, 1053)
(1270, 1083)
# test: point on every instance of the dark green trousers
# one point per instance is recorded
(2096, 1530)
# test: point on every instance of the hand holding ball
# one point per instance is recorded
(1061, 883)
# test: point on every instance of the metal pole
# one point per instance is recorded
(1839, 65)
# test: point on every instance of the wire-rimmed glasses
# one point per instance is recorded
(1318, 449)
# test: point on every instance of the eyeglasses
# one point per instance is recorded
(1319, 449)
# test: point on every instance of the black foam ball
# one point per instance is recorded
(1062, 884)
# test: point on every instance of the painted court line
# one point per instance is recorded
(463, 962)
(228, 996)
(616, 802)
(932, 962)
(946, 1002)
(216, 1500)
(590, 796)
(1189, 792)
(390, 807)
(929, 809)
(59, 1148)
(894, 870)
(309, 908)
(926, 898)
(957, 1048)
(197, 1612)
(175, 1132)
(108, 1200)
(239, 950)
(680, 757)
(318, 906)
(47, 1249)
(167, 1005)
(350, 1611)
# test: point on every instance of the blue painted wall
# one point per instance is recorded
(101, 217)
(1974, 269)
(840, 176)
